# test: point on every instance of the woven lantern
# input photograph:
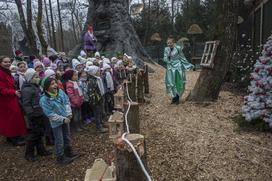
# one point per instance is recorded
(156, 37)
(116, 124)
(194, 30)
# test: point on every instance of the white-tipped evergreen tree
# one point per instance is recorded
(258, 104)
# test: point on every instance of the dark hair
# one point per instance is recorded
(171, 37)
(2, 57)
(18, 64)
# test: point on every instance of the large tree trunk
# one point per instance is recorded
(61, 29)
(27, 26)
(210, 81)
(48, 23)
(53, 25)
(114, 30)
(39, 28)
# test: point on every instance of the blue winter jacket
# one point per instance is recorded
(56, 108)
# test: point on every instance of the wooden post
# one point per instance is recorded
(132, 88)
(127, 166)
(140, 86)
(146, 81)
(133, 117)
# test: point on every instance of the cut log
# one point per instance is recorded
(116, 124)
(140, 86)
(132, 88)
(133, 117)
(127, 166)
(119, 99)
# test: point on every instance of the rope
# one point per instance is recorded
(129, 143)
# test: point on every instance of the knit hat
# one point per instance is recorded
(88, 64)
(68, 74)
(37, 64)
(97, 54)
(75, 63)
(106, 66)
(35, 60)
(106, 60)
(29, 74)
(82, 53)
(113, 59)
(49, 73)
(46, 62)
(18, 53)
(92, 70)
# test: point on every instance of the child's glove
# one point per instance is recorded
(66, 120)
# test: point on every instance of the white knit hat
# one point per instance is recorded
(29, 74)
(48, 73)
(106, 66)
(106, 60)
(82, 53)
(97, 54)
(92, 70)
(75, 63)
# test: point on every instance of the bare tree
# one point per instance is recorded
(53, 25)
(39, 27)
(61, 29)
(27, 25)
(48, 23)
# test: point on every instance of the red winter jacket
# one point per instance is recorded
(75, 99)
(11, 118)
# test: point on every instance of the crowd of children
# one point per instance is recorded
(56, 94)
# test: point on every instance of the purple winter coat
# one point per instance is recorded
(89, 42)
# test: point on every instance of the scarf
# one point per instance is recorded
(53, 95)
(100, 85)
(21, 79)
(75, 86)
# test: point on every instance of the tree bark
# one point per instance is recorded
(39, 28)
(61, 29)
(127, 167)
(114, 30)
(210, 81)
(27, 26)
(48, 23)
(53, 25)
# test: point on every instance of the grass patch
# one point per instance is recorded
(253, 126)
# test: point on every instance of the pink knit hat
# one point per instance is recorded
(46, 62)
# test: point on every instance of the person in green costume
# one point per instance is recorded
(177, 64)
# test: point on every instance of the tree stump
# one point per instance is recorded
(140, 86)
(132, 88)
(146, 81)
(127, 166)
(132, 117)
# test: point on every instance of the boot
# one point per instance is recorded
(49, 141)
(102, 130)
(41, 149)
(68, 152)
(30, 152)
(177, 100)
(77, 127)
(63, 160)
(16, 141)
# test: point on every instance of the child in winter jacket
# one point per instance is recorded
(56, 106)
(30, 102)
(109, 88)
(76, 98)
(85, 108)
(95, 93)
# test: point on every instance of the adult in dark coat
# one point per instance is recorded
(12, 124)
